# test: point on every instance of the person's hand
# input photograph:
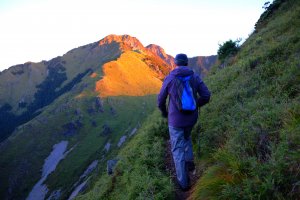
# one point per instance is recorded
(164, 114)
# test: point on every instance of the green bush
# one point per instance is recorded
(228, 49)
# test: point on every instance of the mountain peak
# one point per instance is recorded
(158, 50)
(126, 40)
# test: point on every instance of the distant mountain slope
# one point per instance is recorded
(202, 64)
(25, 89)
(92, 99)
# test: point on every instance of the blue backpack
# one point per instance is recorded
(185, 96)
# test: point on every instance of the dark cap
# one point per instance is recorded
(181, 59)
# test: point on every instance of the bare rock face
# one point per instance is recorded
(80, 184)
(90, 169)
(107, 147)
(133, 132)
(122, 140)
(55, 195)
(40, 190)
(78, 189)
(111, 164)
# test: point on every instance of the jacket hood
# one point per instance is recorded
(182, 71)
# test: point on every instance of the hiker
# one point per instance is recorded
(182, 84)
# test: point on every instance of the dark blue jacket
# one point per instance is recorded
(175, 117)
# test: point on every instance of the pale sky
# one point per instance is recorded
(36, 30)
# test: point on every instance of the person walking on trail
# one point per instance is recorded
(187, 92)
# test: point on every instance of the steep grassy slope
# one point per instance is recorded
(140, 173)
(81, 123)
(247, 140)
(249, 135)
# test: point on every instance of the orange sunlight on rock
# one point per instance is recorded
(128, 76)
(93, 75)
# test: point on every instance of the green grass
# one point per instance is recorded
(250, 129)
(246, 142)
(24, 154)
(91, 142)
(140, 172)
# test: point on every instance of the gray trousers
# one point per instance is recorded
(182, 151)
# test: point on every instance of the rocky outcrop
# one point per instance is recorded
(122, 140)
(133, 132)
(111, 164)
(55, 195)
(81, 186)
(89, 169)
(40, 190)
(107, 147)
(77, 190)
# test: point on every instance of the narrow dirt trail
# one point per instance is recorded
(170, 167)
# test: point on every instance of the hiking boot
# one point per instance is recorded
(185, 189)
